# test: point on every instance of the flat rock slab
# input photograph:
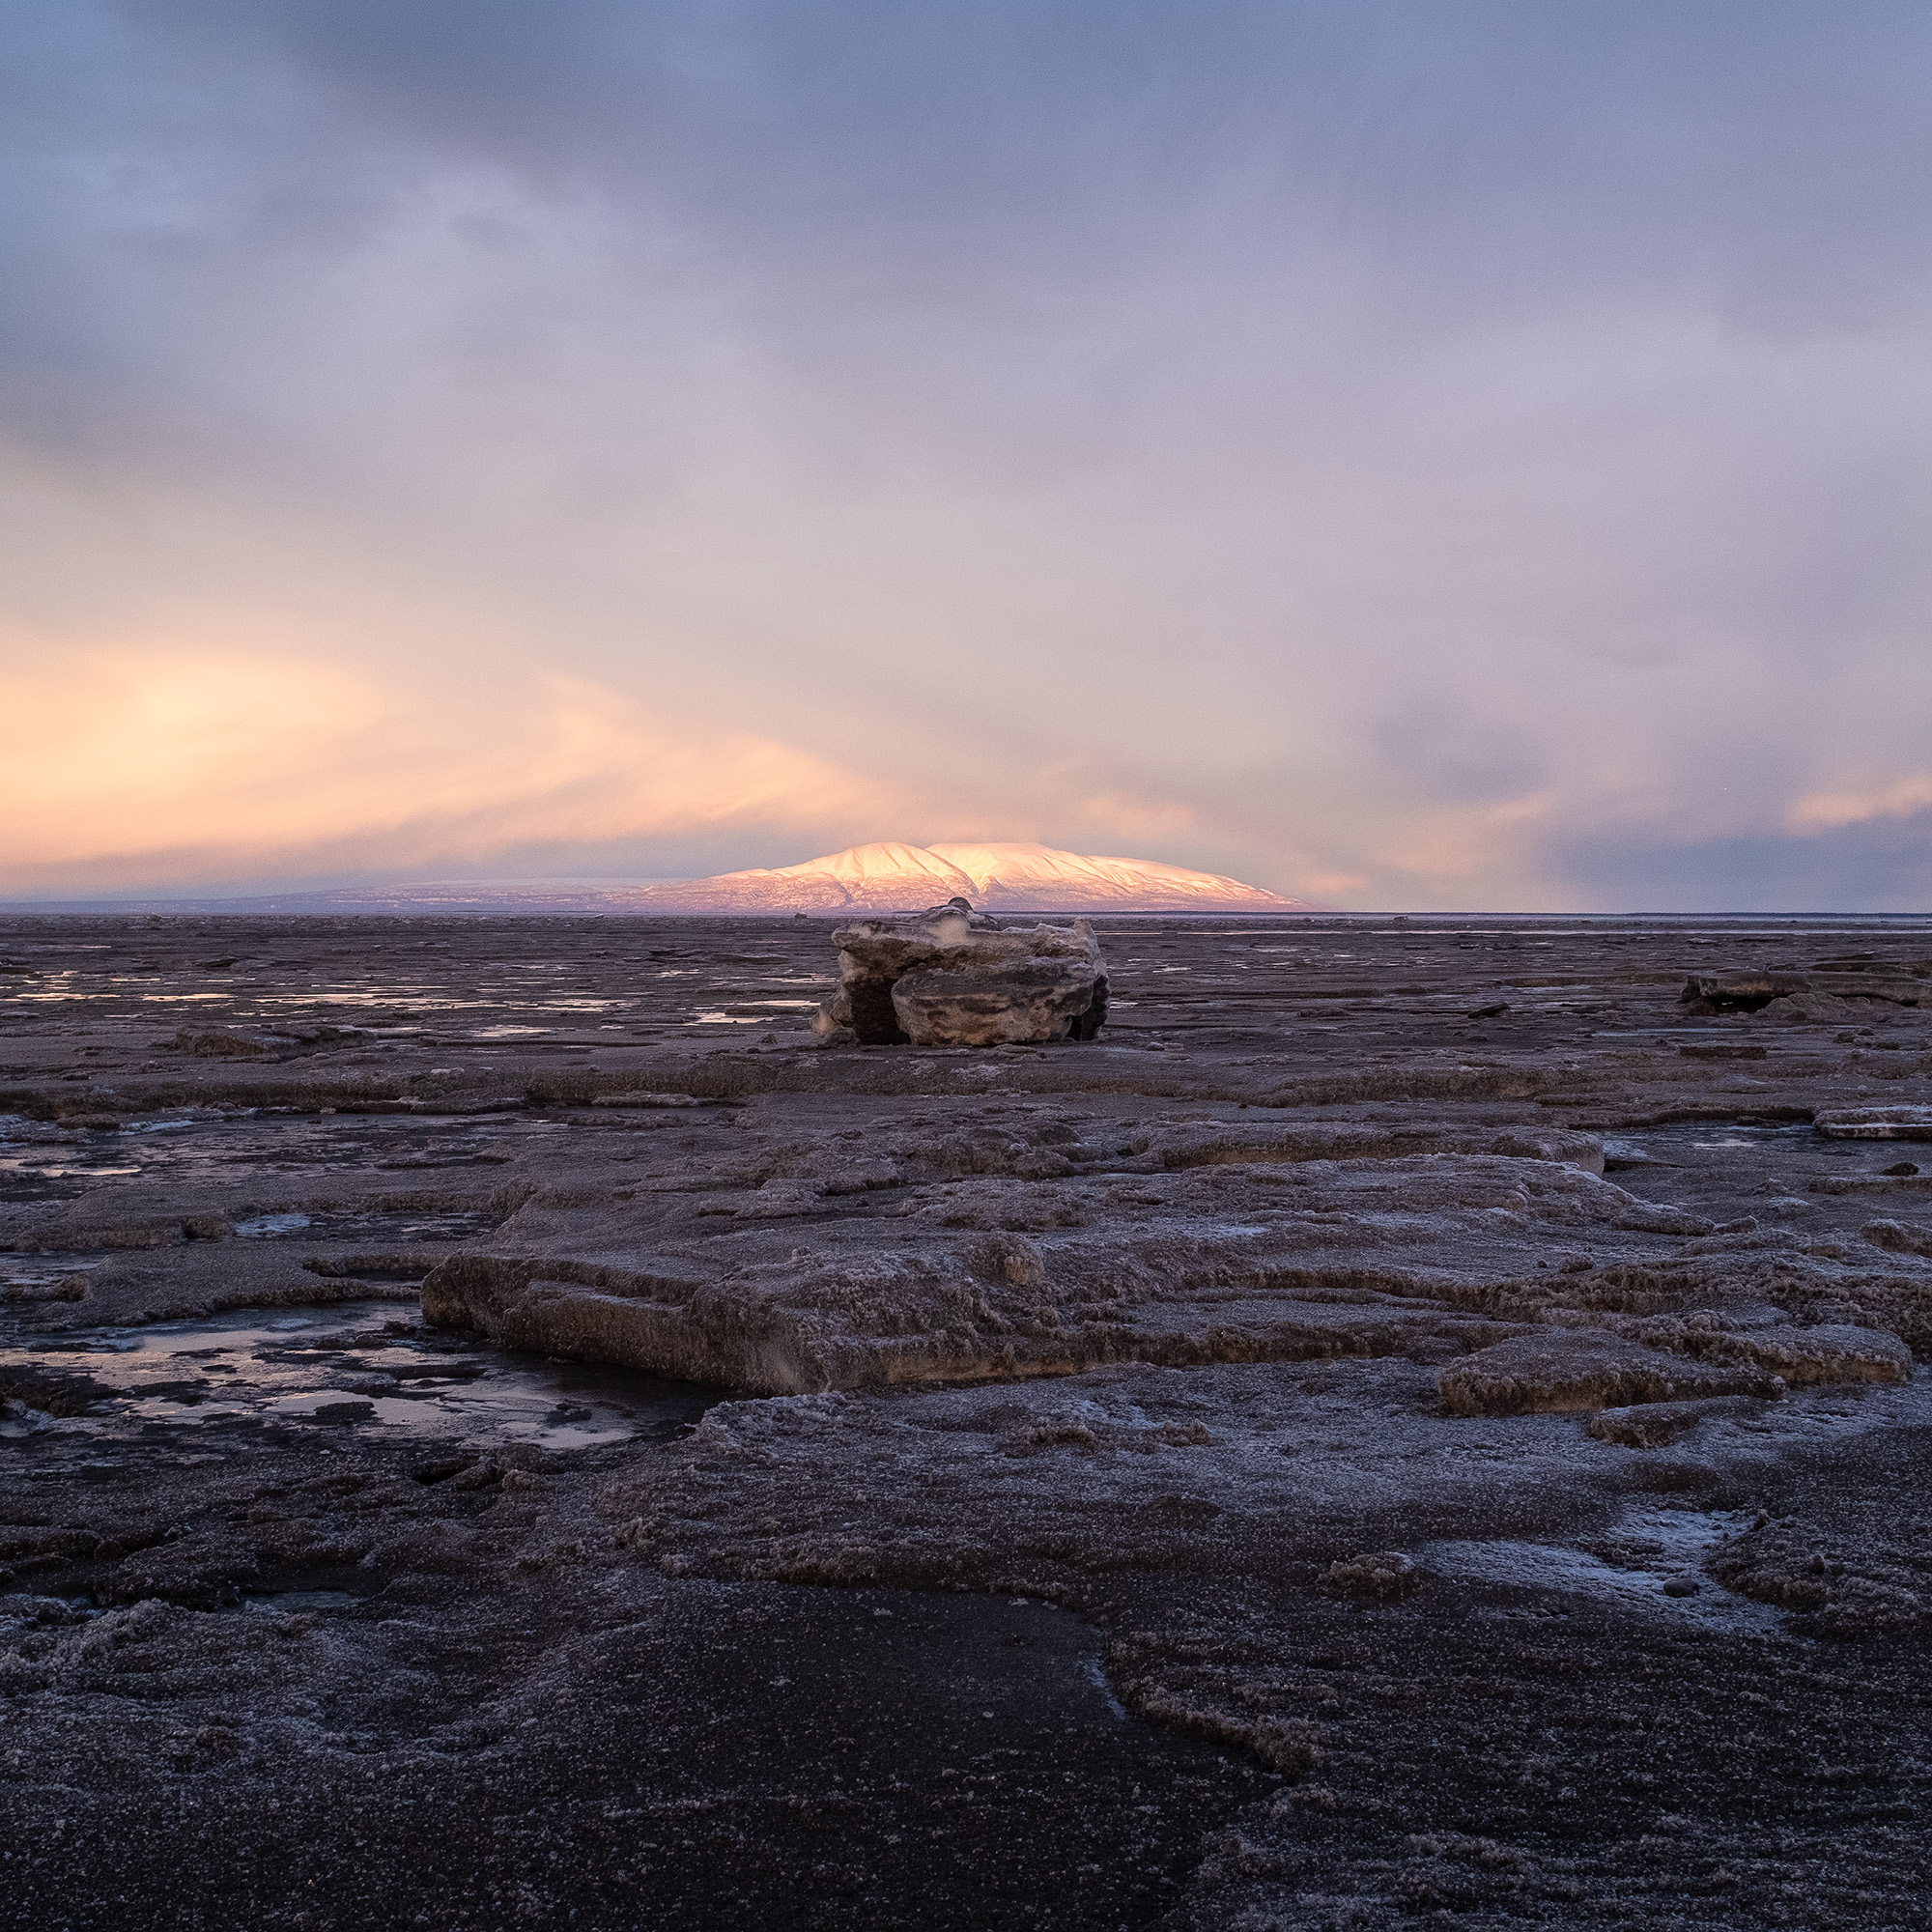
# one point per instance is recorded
(1260, 1469)
(1560, 1370)
(1663, 1361)
(924, 1254)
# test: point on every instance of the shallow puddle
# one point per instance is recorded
(30, 1277)
(227, 1147)
(356, 1365)
(1701, 1142)
(290, 1601)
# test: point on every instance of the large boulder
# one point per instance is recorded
(955, 978)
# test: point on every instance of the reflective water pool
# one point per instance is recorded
(353, 1365)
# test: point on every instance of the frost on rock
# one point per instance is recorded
(953, 977)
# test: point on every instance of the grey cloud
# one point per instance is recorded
(1444, 751)
(1158, 397)
(1887, 870)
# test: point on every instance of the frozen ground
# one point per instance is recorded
(1415, 1426)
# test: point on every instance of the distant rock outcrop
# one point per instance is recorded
(891, 877)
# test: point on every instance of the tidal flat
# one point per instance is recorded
(1419, 1423)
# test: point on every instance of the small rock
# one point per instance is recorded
(1378, 1576)
(1655, 1425)
(1898, 1238)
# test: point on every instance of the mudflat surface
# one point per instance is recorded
(1418, 1424)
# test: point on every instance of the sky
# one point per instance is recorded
(1410, 454)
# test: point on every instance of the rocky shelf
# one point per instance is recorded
(1417, 1421)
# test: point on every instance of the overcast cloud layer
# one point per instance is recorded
(1434, 454)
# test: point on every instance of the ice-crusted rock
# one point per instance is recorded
(941, 1249)
(1577, 1369)
(1032, 1001)
(1741, 992)
(1654, 1425)
(1842, 1584)
(215, 1043)
(1900, 1238)
(1832, 1351)
(1875, 1124)
(955, 978)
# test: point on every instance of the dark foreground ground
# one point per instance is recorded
(312, 1615)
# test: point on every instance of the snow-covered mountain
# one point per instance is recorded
(891, 877)
(880, 878)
